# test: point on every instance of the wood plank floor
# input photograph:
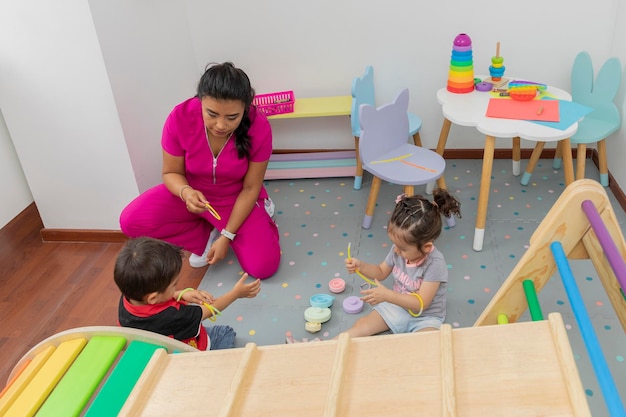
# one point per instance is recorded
(48, 287)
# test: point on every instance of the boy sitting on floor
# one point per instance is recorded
(146, 272)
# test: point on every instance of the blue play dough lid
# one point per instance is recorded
(317, 314)
(321, 300)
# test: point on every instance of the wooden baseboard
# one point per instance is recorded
(83, 235)
(116, 236)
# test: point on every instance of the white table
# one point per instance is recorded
(469, 110)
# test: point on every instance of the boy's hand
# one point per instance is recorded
(249, 290)
(198, 297)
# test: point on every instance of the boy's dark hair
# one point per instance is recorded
(146, 265)
(420, 219)
(227, 82)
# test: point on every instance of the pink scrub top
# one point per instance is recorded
(220, 178)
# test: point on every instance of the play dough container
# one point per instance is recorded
(353, 305)
(337, 285)
(321, 300)
(312, 327)
(317, 314)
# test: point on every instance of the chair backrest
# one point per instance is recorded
(598, 95)
(383, 128)
(362, 93)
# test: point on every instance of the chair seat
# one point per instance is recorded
(592, 130)
(415, 123)
(421, 166)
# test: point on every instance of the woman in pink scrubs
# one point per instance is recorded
(216, 148)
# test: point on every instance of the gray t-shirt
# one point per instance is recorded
(409, 277)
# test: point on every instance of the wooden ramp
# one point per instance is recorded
(523, 369)
(567, 223)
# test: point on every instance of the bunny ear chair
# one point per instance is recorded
(603, 120)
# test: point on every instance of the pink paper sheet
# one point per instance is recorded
(506, 108)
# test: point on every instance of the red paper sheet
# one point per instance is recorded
(542, 110)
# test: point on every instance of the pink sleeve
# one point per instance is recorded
(169, 138)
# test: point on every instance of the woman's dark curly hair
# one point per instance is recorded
(227, 82)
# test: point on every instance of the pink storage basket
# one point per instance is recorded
(275, 103)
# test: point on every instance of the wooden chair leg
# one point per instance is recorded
(371, 202)
(603, 163)
(581, 156)
(409, 190)
(358, 175)
(532, 162)
(417, 139)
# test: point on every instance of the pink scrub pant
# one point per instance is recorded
(159, 214)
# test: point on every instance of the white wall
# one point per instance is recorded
(128, 62)
(14, 186)
(59, 109)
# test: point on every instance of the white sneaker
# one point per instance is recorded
(199, 261)
(270, 206)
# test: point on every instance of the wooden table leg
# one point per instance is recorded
(485, 189)
(441, 147)
(517, 156)
(568, 163)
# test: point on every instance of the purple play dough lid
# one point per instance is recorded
(352, 305)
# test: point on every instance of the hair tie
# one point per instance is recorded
(400, 197)
(435, 204)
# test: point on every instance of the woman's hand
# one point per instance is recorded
(195, 201)
(218, 250)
